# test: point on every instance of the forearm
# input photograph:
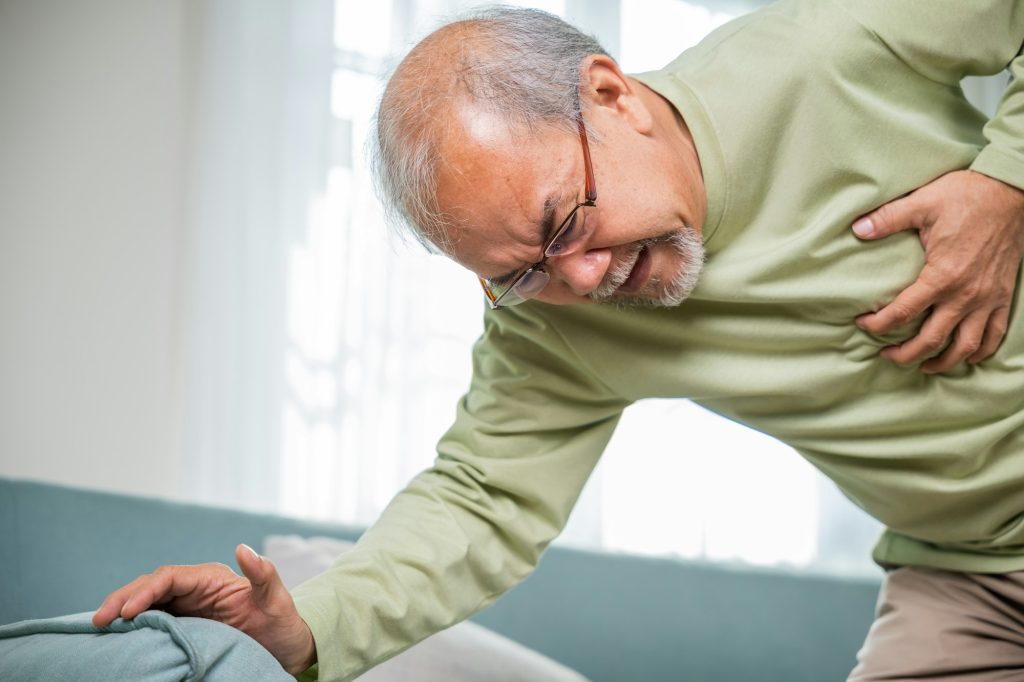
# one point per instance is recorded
(1003, 157)
(460, 535)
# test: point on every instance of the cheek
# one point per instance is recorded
(631, 220)
(631, 209)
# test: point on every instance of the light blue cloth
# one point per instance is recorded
(153, 646)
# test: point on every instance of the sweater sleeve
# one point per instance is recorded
(946, 40)
(508, 472)
(1003, 157)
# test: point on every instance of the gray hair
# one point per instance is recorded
(521, 63)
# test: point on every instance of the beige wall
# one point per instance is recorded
(91, 204)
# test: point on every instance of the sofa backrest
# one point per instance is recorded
(612, 617)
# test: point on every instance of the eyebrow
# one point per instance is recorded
(543, 229)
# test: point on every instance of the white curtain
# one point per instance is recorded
(256, 165)
(325, 359)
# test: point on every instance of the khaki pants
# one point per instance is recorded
(942, 626)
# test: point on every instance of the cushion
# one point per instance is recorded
(154, 646)
(465, 652)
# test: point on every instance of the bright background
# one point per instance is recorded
(199, 299)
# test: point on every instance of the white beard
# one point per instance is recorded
(687, 245)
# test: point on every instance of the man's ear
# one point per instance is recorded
(604, 85)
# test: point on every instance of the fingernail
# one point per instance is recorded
(863, 227)
(252, 551)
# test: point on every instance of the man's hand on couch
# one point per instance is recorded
(257, 603)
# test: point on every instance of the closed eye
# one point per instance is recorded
(503, 280)
(572, 231)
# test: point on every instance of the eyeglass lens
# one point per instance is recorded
(531, 284)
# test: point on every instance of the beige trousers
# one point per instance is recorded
(942, 626)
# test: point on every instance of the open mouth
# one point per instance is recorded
(638, 276)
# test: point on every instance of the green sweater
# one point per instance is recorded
(806, 115)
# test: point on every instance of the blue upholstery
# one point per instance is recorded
(153, 646)
(611, 617)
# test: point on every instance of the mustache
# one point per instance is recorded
(685, 242)
(619, 272)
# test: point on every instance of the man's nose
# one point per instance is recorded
(582, 271)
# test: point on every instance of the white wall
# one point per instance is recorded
(92, 99)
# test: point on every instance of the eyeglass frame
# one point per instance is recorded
(590, 199)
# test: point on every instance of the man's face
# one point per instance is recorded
(510, 189)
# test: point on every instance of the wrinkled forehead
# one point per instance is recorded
(492, 184)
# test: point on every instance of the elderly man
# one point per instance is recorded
(729, 180)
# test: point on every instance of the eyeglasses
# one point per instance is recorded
(531, 281)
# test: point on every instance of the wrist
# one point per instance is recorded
(305, 654)
(310, 657)
(1013, 195)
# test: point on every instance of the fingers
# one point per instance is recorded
(978, 332)
(975, 337)
(163, 585)
(966, 343)
(995, 331)
(895, 216)
(141, 593)
(266, 584)
(281, 631)
(115, 601)
(111, 608)
(907, 307)
(251, 564)
(931, 338)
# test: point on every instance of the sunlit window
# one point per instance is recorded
(654, 32)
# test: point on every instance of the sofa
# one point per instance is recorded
(610, 617)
